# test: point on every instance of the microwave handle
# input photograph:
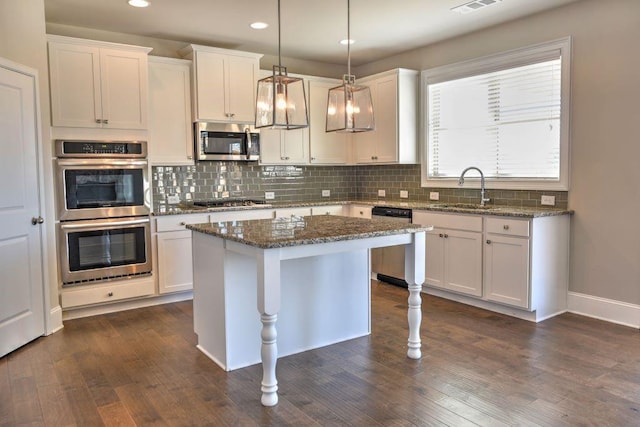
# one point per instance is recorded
(247, 142)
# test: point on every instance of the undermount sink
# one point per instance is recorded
(462, 206)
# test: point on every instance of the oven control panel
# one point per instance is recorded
(128, 149)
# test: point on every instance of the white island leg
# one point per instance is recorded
(268, 307)
(414, 275)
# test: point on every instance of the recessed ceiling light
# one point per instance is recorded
(346, 42)
(259, 25)
(139, 3)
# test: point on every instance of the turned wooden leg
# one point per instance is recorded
(269, 354)
(414, 259)
(415, 318)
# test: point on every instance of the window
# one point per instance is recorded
(506, 114)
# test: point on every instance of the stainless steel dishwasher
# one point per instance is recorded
(388, 263)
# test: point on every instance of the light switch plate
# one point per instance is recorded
(269, 195)
(404, 194)
(548, 200)
(434, 195)
(382, 193)
(173, 199)
(326, 193)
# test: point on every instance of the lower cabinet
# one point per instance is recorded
(360, 211)
(453, 258)
(330, 210)
(174, 256)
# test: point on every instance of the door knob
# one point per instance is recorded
(36, 221)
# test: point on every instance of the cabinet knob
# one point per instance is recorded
(505, 227)
(98, 121)
(183, 223)
(441, 235)
(488, 242)
(446, 236)
(105, 121)
(110, 294)
(189, 157)
(37, 220)
(313, 158)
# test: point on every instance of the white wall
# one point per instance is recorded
(23, 40)
(605, 120)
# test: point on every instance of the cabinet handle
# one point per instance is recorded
(505, 227)
(110, 294)
(488, 242)
(183, 223)
(105, 121)
(446, 236)
(189, 157)
(361, 213)
(98, 121)
(441, 235)
(37, 220)
(313, 158)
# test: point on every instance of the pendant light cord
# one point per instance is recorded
(279, 42)
(348, 39)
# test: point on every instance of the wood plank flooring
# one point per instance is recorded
(141, 368)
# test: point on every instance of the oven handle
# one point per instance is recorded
(94, 224)
(101, 162)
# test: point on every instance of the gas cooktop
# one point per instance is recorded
(217, 203)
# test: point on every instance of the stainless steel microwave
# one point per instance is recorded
(220, 141)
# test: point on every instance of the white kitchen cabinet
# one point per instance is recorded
(329, 210)
(395, 138)
(287, 212)
(324, 147)
(453, 258)
(506, 269)
(170, 126)
(107, 292)
(289, 147)
(174, 253)
(224, 83)
(98, 84)
(360, 211)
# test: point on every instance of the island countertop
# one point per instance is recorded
(296, 230)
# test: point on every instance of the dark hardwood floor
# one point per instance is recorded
(141, 367)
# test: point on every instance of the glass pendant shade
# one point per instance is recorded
(349, 108)
(281, 102)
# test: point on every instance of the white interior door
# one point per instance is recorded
(21, 281)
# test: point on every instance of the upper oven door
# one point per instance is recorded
(101, 188)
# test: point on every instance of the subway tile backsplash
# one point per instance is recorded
(217, 180)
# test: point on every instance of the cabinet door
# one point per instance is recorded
(463, 261)
(434, 259)
(210, 94)
(75, 85)
(385, 108)
(270, 147)
(506, 270)
(124, 89)
(295, 146)
(175, 271)
(170, 128)
(324, 148)
(241, 79)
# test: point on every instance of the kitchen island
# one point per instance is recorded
(311, 274)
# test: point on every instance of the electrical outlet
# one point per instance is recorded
(326, 193)
(382, 193)
(269, 195)
(404, 194)
(548, 200)
(434, 195)
(173, 199)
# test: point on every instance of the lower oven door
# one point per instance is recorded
(104, 249)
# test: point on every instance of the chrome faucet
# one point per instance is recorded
(461, 181)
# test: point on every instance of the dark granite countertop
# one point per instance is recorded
(296, 230)
(496, 210)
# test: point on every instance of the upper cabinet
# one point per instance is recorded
(284, 146)
(170, 126)
(395, 106)
(224, 84)
(98, 84)
(324, 147)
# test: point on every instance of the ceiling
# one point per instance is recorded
(311, 29)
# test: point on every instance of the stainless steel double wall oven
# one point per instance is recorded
(103, 208)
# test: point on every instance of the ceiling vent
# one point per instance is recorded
(472, 6)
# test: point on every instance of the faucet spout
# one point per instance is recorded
(483, 200)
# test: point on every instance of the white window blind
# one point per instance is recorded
(503, 115)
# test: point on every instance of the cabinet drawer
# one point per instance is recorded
(327, 210)
(283, 213)
(507, 226)
(360, 211)
(113, 291)
(177, 222)
(453, 221)
(241, 215)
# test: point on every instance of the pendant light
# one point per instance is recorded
(349, 107)
(281, 101)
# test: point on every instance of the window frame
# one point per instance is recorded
(493, 63)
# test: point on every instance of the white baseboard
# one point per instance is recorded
(54, 323)
(76, 313)
(612, 311)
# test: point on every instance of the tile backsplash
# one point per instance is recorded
(215, 180)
